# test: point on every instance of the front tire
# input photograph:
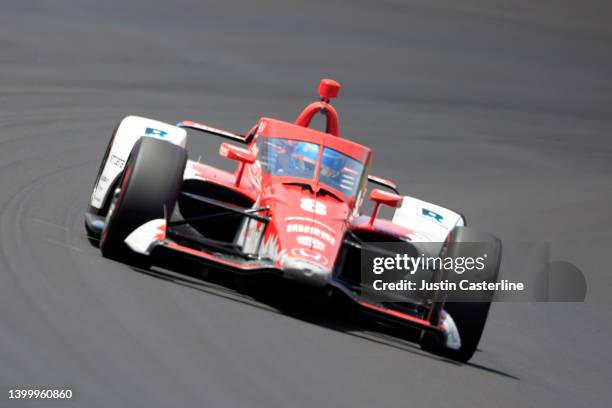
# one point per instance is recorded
(148, 190)
(470, 317)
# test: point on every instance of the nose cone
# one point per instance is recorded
(305, 271)
(308, 229)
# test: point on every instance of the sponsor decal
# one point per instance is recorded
(309, 241)
(311, 230)
(309, 220)
(155, 132)
(117, 161)
(432, 214)
(309, 254)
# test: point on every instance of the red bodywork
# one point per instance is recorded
(304, 223)
(307, 220)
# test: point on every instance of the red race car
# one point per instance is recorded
(291, 207)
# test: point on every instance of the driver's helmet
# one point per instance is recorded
(304, 158)
(332, 163)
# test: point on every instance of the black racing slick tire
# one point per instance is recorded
(470, 316)
(148, 190)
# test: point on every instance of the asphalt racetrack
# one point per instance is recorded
(500, 109)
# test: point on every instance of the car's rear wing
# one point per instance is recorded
(189, 124)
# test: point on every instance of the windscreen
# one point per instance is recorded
(340, 172)
(289, 158)
(295, 158)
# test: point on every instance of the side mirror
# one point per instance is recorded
(383, 182)
(383, 197)
(239, 154)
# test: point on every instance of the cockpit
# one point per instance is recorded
(307, 160)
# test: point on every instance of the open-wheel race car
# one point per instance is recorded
(292, 207)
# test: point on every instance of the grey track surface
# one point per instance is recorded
(500, 108)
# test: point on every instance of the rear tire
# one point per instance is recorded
(148, 190)
(469, 317)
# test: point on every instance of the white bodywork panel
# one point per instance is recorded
(430, 222)
(141, 239)
(453, 340)
(129, 131)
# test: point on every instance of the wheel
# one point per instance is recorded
(148, 190)
(470, 317)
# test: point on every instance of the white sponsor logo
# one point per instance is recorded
(306, 253)
(309, 220)
(311, 230)
(309, 241)
(117, 161)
